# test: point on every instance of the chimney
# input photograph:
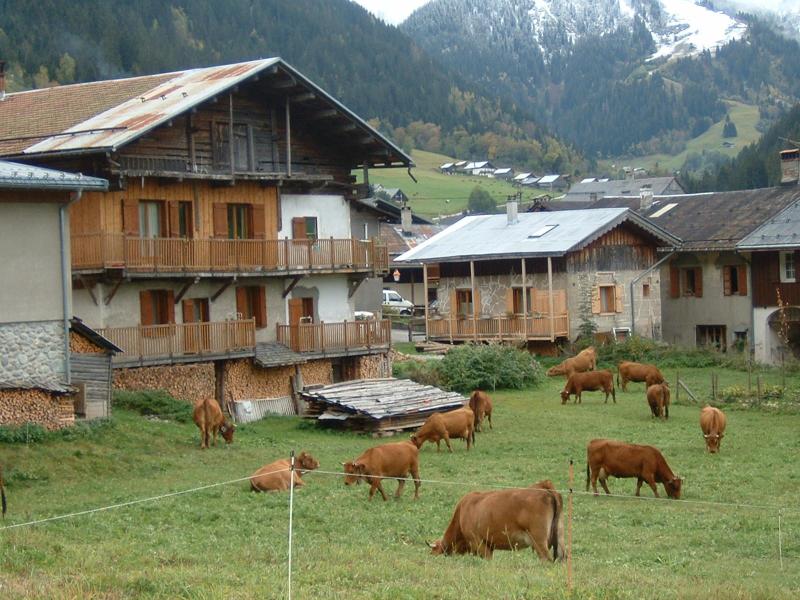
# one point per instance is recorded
(645, 198)
(790, 167)
(405, 219)
(2, 80)
(511, 210)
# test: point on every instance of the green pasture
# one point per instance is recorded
(226, 542)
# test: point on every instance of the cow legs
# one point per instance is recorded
(489, 416)
(375, 484)
(447, 441)
(415, 475)
(401, 483)
(539, 548)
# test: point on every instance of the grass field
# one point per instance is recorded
(228, 542)
(436, 194)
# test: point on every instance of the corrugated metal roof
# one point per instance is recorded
(18, 176)
(502, 171)
(522, 176)
(781, 231)
(549, 178)
(599, 188)
(491, 236)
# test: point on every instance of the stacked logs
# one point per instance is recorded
(51, 411)
(186, 382)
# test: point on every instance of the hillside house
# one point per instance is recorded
(221, 260)
(534, 276)
(505, 173)
(36, 294)
(590, 189)
(550, 182)
(447, 168)
(482, 168)
(520, 177)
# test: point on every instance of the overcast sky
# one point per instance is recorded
(395, 11)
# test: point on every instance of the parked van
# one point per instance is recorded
(395, 303)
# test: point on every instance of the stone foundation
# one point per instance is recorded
(51, 411)
(187, 382)
(32, 352)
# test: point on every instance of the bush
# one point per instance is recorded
(489, 367)
(31, 433)
(27, 433)
(641, 349)
(157, 403)
(426, 372)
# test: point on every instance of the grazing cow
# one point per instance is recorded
(658, 399)
(277, 476)
(506, 520)
(395, 461)
(589, 382)
(2, 493)
(458, 423)
(606, 458)
(712, 422)
(209, 419)
(585, 360)
(631, 371)
(481, 405)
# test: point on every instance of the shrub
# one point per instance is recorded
(27, 433)
(469, 367)
(31, 433)
(641, 349)
(156, 403)
(426, 372)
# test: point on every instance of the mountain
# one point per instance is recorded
(375, 69)
(612, 76)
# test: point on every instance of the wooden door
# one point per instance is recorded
(295, 314)
(196, 334)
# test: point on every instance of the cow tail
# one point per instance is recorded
(587, 473)
(3, 494)
(554, 525)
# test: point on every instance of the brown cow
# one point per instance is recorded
(606, 458)
(209, 419)
(506, 520)
(277, 476)
(481, 405)
(658, 399)
(393, 461)
(589, 382)
(712, 422)
(458, 423)
(585, 360)
(631, 371)
(2, 493)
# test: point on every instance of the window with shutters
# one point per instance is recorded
(151, 219)
(242, 146)
(734, 280)
(305, 228)
(464, 303)
(608, 299)
(157, 307)
(712, 336)
(185, 225)
(788, 267)
(251, 303)
(692, 282)
(239, 221)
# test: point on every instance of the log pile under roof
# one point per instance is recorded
(377, 405)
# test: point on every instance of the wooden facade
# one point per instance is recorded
(767, 281)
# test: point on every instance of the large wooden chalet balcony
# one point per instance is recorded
(100, 251)
(337, 338)
(182, 342)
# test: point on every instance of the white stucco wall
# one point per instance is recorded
(766, 343)
(330, 297)
(332, 213)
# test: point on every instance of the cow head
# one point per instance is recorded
(557, 370)
(713, 441)
(227, 429)
(564, 396)
(354, 472)
(437, 547)
(673, 487)
(416, 441)
(306, 462)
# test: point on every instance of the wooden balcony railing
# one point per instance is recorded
(181, 340)
(499, 328)
(336, 337)
(171, 255)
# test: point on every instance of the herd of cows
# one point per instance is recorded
(510, 518)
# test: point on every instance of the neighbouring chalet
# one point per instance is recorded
(532, 276)
(222, 259)
(590, 189)
(36, 383)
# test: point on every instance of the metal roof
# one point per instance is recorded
(781, 231)
(598, 188)
(172, 95)
(549, 178)
(491, 236)
(18, 176)
(502, 171)
(522, 176)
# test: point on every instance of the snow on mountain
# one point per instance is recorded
(691, 28)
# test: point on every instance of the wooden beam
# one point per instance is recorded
(179, 296)
(354, 285)
(304, 97)
(286, 84)
(550, 294)
(324, 114)
(222, 288)
(113, 293)
(346, 128)
(294, 282)
(230, 137)
(474, 304)
(425, 295)
(288, 140)
(88, 288)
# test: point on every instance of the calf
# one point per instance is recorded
(458, 423)
(506, 520)
(590, 382)
(631, 371)
(658, 399)
(209, 419)
(712, 422)
(481, 405)
(277, 476)
(393, 461)
(606, 458)
(585, 360)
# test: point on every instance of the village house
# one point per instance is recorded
(591, 189)
(549, 182)
(481, 168)
(505, 173)
(36, 371)
(221, 260)
(534, 277)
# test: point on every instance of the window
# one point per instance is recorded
(689, 282)
(151, 219)
(195, 310)
(239, 219)
(184, 227)
(713, 336)
(542, 231)
(464, 302)
(788, 267)
(516, 305)
(157, 307)
(304, 228)
(242, 153)
(607, 299)
(251, 303)
(734, 280)
(645, 290)
(686, 281)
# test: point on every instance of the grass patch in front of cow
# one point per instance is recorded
(227, 541)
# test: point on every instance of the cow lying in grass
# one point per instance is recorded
(209, 419)
(585, 360)
(658, 399)
(506, 520)
(277, 476)
(631, 371)
(712, 422)
(481, 406)
(397, 460)
(606, 458)
(589, 382)
(458, 423)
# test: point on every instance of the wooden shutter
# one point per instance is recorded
(259, 221)
(169, 297)
(698, 282)
(220, 218)
(618, 297)
(726, 280)
(187, 307)
(299, 228)
(674, 282)
(510, 300)
(742, 280)
(260, 306)
(146, 308)
(596, 300)
(130, 216)
(476, 303)
(241, 301)
(453, 301)
(174, 225)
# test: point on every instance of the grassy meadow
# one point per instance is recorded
(228, 542)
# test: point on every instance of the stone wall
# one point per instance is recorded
(52, 411)
(33, 353)
(187, 382)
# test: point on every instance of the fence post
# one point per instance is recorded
(569, 527)
(677, 385)
(291, 510)
(780, 542)
(758, 387)
(749, 377)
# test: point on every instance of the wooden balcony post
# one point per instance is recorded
(524, 300)
(371, 258)
(425, 295)
(333, 255)
(322, 335)
(369, 329)
(308, 253)
(345, 334)
(550, 294)
(474, 298)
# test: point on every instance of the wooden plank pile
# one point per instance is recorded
(431, 347)
(378, 406)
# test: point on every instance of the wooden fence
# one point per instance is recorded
(336, 337)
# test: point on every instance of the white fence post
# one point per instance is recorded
(291, 509)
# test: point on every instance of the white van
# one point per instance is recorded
(395, 303)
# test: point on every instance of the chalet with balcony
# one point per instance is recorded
(533, 277)
(225, 237)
